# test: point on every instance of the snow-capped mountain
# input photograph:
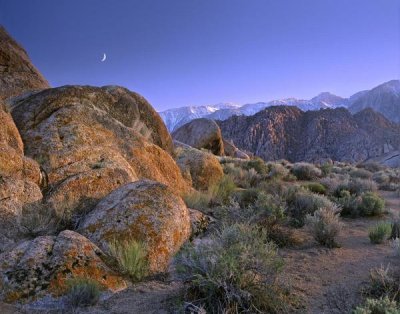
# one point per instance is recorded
(176, 117)
(385, 99)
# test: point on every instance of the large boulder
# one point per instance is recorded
(200, 168)
(145, 211)
(92, 140)
(19, 181)
(45, 265)
(201, 133)
(17, 73)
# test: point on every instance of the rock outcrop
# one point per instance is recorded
(289, 133)
(232, 151)
(145, 211)
(201, 133)
(19, 180)
(43, 267)
(92, 140)
(201, 169)
(17, 73)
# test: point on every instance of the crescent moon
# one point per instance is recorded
(104, 57)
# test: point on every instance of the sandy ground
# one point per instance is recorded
(330, 281)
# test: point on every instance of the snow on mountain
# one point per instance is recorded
(385, 99)
(176, 117)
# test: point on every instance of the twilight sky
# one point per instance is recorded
(196, 52)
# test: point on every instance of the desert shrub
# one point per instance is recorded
(236, 271)
(316, 187)
(331, 184)
(301, 203)
(381, 177)
(360, 173)
(241, 177)
(325, 225)
(131, 257)
(358, 186)
(395, 244)
(378, 306)
(82, 292)
(349, 203)
(371, 166)
(371, 204)
(277, 171)
(389, 187)
(257, 164)
(380, 232)
(248, 197)
(384, 282)
(306, 171)
(326, 168)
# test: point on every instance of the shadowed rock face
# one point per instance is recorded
(289, 133)
(17, 73)
(92, 140)
(201, 133)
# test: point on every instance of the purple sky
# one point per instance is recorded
(194, 52)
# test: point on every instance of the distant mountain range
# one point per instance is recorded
(384, 98)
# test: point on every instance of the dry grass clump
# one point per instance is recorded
(236, 271)
(380, 232)
(131, 257)
(82, 292)
(306, 171)
(218, 194)
(38, 220)
(325, 225)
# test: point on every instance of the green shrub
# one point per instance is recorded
(236, 271)
(325, 225)
(378, 306)
(306, 171)
(349, 203)
(301, 203)
(257, 164)
(131, 257)
(316, 187)
(221, 192)
(82, 292)
(371, 205)
(380, 232)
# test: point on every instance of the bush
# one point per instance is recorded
(371, 166)
(380, 232)
(325, 225)
(302, 203)
(360, 173)
(257, 164)
(277, 171)
(235, 271)
(384, 282)
(217, 194)
(371, 205)
(378, 306)
(331, 184)
(82, 292)
(131, 258)
(306, 171)
(326, 168)
(316, 187)
(359, 186)
(349, 203)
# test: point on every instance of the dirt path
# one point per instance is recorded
(330, 280)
